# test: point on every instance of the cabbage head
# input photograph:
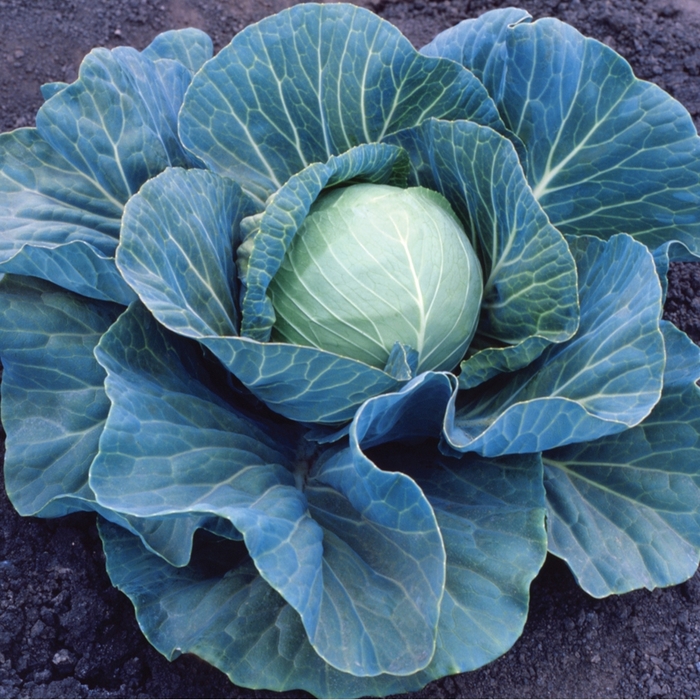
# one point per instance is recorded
(340, 338)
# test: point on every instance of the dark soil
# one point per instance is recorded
(65, 632)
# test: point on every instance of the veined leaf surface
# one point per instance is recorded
(175, 251)
(605, 152)
(607, 378)
(171, 447)
(623, 511)
(312, 82)
(530, 297)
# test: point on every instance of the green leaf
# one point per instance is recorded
(606, 152)
(286, 210)
(489, 362)
(50, 89)
(54, 409)
(384, 558)
(312, 82)
(118, 149)
(490, 514)
(191, 47)
(179, 234)
(231, 618)
(383, 574)
(171, 447)
(530, 297)
(175, 251)
(491, 517)
(479, 44)
(55, 222)
(63, 185)
(624, 511)
(53, 401)
(300, 383)
(607, 378)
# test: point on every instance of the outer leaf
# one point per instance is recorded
(312, 82)
(63, 187)
(530, 296)
(491, 517)
(607, 378)
(54, 409)
(491, 361)
(50, 89)
(492, 522)
(304, 384)
(55, 222)
(53, 401)
(624, 511)
(606, 152)
(480, 45)
(384, 565)
(672, 251)
(177, 250)
(232, 619)
(118, 149)
(191, 47)
(171, 447)
(382, 578)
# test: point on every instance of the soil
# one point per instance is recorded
(65, 632)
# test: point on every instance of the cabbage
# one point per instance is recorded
(373, 265)
(305, 497)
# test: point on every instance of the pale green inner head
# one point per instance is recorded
(375, 264)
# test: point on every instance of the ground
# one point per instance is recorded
(65, 632)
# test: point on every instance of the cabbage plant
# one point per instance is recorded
(339, 338)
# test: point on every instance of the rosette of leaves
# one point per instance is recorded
(295, 516)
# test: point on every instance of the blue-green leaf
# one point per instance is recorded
(118, 148)
(63, 186)
(383, 569)
(54, 409)
(530, 297)
(55, 222)
(605, 379)
(384, 558)
(489, 362)
(304, 384)
(606, 152)
(491, 517)
(177, 248)
(171, 447)
(624, 511)
(231, 618)
(50, 89)
(53, 400)
(480, 45)
(191, 47)
(312, 82)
